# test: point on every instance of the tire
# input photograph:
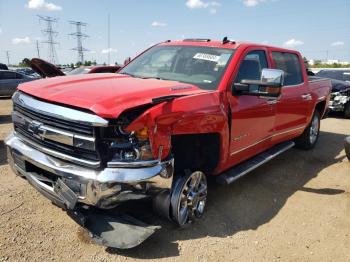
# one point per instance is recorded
(347, 110)
(308, 139)
(347, 147)
(188, 198)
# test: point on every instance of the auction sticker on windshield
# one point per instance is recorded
(208, 57)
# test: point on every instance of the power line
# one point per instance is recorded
(8, 57)
(51, 34)
(109, 41)
(79, 36)
(37, 48)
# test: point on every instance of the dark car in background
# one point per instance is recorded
(340, 96)
(3, 67)
(46, 69)
(338, 74)
(9, 80)
(27, 71)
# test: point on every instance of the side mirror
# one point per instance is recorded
(272, 77)
(269, 85)
(127, 60)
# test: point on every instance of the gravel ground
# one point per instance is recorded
(295, 208)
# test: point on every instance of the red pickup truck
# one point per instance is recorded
(177, 113)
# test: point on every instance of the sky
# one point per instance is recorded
(318, 29)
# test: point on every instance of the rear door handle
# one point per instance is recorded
(306, 96)
(272, 102)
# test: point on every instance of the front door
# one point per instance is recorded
(252, 117)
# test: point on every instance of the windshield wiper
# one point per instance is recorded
(142, 77)
(150, 77)
(128, 74)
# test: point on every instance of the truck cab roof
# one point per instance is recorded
(229, 44)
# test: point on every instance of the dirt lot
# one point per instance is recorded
(295, 208)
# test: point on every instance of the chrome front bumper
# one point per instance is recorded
(103, 188)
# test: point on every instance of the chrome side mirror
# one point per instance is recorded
(269, 85)
(272, 77)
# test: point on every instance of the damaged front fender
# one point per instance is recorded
(194, 114)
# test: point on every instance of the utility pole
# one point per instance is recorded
(37, 48)
(79, 36)
(109, 41)
(8, 57)
(51, 34)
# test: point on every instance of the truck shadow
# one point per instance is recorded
(338, 115)
(5, 119)
(250, 202)
(3, 156)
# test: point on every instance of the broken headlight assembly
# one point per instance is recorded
(125, 146)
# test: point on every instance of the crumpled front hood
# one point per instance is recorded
(107, 95)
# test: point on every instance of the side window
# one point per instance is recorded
(252, 65)
(290, 64)
(19, 76)
(7, 75)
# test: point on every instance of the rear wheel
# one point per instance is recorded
(347, 147)
(309, 137)
(347, 110)
(189, 197)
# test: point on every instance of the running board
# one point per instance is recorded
(244, 168)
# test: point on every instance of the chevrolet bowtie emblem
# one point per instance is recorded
(34, 129)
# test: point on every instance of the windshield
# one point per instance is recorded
(79, 70)
(343, 75)
(201, 66)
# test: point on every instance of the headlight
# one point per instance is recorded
(142, 134)
(121, 130)
(130, 146)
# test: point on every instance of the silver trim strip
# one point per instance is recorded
(56, 111)
(286, 86)
(267, 138)
(93, 164)
(267, 159)
(133, 164)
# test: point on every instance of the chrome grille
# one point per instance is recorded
(69, 139)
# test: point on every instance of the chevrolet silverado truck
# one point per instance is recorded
(177, 113)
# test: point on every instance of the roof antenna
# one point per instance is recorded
(226, 40)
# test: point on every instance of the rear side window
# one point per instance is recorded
(19, 76)
(290, 64)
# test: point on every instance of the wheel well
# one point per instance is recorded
(196, 152)
(320, 107)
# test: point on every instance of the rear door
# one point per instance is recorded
(252, 117)
(292, 108)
